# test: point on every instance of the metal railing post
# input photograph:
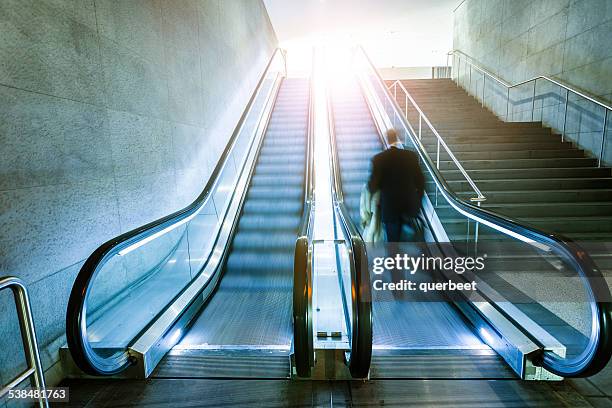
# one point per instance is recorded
(467, 236)
(438, 155)
(470, 86)
(420, 125)
(508, 105)
(533, 99)
(28, 337)
(458, 69)
(565, 114)
(603, 139)
(484, 82)
(284, 54)
(476, 229)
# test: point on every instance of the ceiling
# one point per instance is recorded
(398, 33)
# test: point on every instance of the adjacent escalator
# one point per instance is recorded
(541, 303)
(410, 338)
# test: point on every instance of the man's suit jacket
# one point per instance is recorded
(397, 175)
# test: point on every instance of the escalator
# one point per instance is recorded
(207, 291)
(537, 322)
(249, 317)
(410, 338)
(224, 287)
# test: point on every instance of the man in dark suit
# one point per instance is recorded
(397, 175)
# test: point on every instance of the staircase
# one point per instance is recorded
(523, 168)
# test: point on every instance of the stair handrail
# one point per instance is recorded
(568, 89)
(28, 337)
(599, 349)
(544, 77)
(480, 197)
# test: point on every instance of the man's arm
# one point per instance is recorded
(417, 173)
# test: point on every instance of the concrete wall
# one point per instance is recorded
(112, 114)
(521, 39)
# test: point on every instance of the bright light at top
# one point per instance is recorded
(335, 50)
(395, 33)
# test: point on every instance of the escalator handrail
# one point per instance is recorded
(303, 347)
(361, 297)
(597, 354)
(76, 309)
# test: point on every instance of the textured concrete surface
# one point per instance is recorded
(518, 40)
(112, 114)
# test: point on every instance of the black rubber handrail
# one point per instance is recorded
(76, 309)
(361, 297)
(303, 348)
(599, 349)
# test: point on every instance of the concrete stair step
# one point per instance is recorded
(485, 131)
(520, 163)
(432, 103)
(448, 87)
(530, 184)
(545, 197)
(470, 124)
(440, 118)
(453, 139)
(433, 84)
(579, 225)
(432, 89)
(480, 147)
(513, 154)
(440, 100)
(522, 210)
(431, 109)
(526, 173)
(465, 122)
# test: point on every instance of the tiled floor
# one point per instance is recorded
(597, 389)
(285, 393)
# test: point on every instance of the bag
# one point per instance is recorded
(369, 210)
